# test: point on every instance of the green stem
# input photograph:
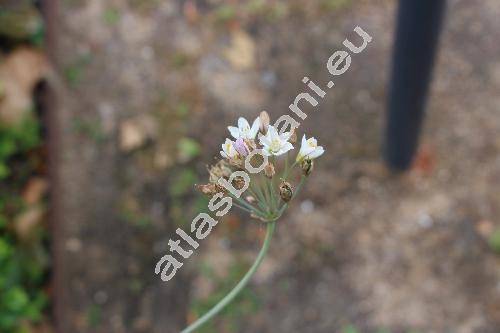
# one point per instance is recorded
(299, 187)
(287, 171)
(257, 186)
(242, 202)
(257, 197)
(286, 163)
(272, 194)
(239, 287)
(243, 208)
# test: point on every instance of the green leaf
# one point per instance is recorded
(111, 16)
(225, 13)
(188, 149)
(7, 146)
(3, 220)
(349, 329)
(5, 249)
(494, 241)
(15, 299)
(4, 170)
(183, 183)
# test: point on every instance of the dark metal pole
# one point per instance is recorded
(418, 27)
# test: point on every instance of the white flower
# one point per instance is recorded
(244, 130)
(228, 150)
(274, 143)
(309, 149)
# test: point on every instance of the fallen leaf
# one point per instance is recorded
(485, 228)
(191, 11)
(425, 161)
(35, 190)
(19, 74)
(26, 222)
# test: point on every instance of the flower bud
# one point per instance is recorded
(251, 145)
(219, 170)
(264, 121)
(237, 162)
(286, 191)
(250, 199)
(207, 189)
(241, 147)
(307, 166)
(269, 170)
(293, 137)
(238, 182)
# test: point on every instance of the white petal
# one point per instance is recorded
(255, 128)
(267, 139)
(285, 148)
(242, 123)
(304, 142)
(264, 140)
(235, 132)
(272, 133)
(316, 153)
(305, 149)
(312, 142)
(266, 151)
(285, 136)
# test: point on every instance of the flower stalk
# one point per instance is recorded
(239, 287)
(267, 196)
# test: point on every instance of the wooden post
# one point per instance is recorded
(418, 26)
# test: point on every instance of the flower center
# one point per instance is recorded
(245, 130)
(275, 145)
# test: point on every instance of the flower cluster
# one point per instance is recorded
(267, 195)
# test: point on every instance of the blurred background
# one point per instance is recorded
(111, 110)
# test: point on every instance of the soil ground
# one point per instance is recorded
(362, 247)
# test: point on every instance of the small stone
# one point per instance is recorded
(425, 220)
(241, 53)
(307, 206)
(100, 297)
(485, 228)
(147, 53)
(162, 160)
(135, 132)
(73, 245)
